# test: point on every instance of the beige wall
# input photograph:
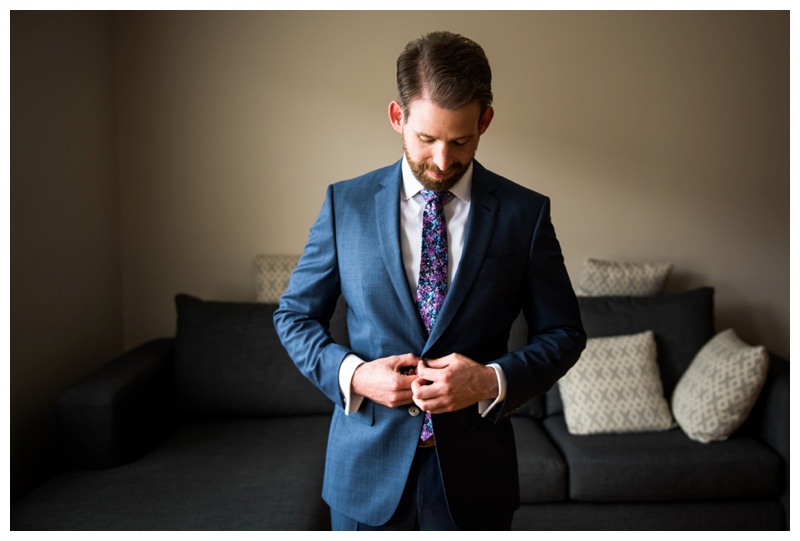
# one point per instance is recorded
(659, 136)
(66, 281)
(157, 153)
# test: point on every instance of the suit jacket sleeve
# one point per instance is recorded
(303, 316)
(555, 332)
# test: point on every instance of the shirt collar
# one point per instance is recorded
(411, 185)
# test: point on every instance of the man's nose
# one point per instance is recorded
(443, 157)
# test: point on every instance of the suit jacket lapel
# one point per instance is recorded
(387, 217)
(480, 225)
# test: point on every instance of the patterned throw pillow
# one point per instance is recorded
(608, 278)
(716, 393)
(272, 276)
(615, 387)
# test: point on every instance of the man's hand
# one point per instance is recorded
(452, 383)
(387, 381)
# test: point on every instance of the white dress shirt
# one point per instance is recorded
(456, 212)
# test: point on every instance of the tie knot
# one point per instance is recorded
(439, 197)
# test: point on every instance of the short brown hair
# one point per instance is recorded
(453, 70)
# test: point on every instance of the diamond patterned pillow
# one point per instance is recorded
(716, 393)
(609, 278)
(615, 387)
(272, 276)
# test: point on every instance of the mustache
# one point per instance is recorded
(457, 166)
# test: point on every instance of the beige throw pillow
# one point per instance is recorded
(716, 393)
(610, 278)
(272, 276)
(616, 387)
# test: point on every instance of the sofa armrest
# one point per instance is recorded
(769, 419)
(115, 414)
(771, 412)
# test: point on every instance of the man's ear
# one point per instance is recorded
(396, 116)
(486, 119)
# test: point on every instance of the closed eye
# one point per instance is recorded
(427, 139)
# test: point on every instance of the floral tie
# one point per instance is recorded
(432, 285)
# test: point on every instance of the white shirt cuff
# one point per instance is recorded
(486, 406)
(352, 401)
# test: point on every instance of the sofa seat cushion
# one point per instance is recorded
(259, 474)
(664, 466)
(542, 470)
(665, 517)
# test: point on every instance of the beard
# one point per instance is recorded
(455, 172)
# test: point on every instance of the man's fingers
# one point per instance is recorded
(428, 370)
(382, 381)
(451, 383)
(399, 399)
(433, 403)
(401, 362)
(443, 362)
(423, 389)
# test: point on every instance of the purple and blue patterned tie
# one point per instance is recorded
(432, 285)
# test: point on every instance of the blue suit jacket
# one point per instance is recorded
(511, 261)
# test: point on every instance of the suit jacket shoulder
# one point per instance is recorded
(364, 186)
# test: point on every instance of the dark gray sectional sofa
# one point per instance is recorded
(216, 430)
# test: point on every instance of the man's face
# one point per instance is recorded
(439, 143)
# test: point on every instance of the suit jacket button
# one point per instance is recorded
(413, 411)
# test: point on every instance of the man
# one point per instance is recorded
(435, 257)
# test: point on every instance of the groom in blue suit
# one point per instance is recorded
(415, 361)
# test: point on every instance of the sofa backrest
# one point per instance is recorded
(682, 323)
(229, 362)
